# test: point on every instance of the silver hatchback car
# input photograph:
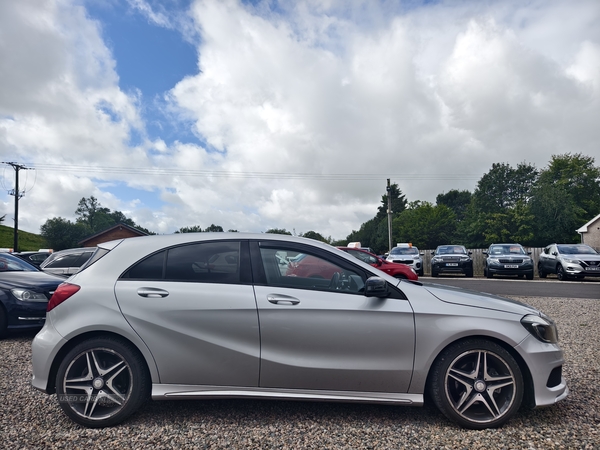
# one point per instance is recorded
(217, 315)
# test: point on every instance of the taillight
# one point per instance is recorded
(62, 292)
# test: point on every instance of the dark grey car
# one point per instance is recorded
(217, 315)
(569, 261)
(508, 259)
(451, 259)
(66, 262)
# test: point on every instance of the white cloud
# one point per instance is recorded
(309, 91)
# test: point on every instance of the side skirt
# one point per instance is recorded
(188, 392)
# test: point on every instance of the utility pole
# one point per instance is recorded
(17, 195)
(389, 213)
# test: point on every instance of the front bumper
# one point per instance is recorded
(574, 269)
(452, 266)
(545, 362)
(510, 269)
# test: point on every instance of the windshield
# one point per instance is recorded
(451, 250)
(576, 250)
(9, 263)
(507, 249)
(404, 251)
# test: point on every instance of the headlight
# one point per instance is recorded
(436, 259)
(493, 261)
(542, 328)
(28, 296)
(571, 261)
(464, 258)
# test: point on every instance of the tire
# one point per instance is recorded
(459, 388)
(488, 274)
(107, 371)
(420, 273)
(541, 272)
(469, 273)
(434, 273)
(560, 273)
(529, 275)
(3, 322)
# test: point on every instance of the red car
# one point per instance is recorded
(396, 270)
(308, 266)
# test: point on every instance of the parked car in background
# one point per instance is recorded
(569, 261)
(35, 258)
(212, 315)
(396, 270)
(408, 254)
(508, 259)
(67, 262)
(24, 294)
(451, 259)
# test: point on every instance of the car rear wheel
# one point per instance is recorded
(434, 273)
(102, 381)
(541, 271)
(477, 384)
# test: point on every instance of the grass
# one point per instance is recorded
(27, 241)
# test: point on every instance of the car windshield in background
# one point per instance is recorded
(10, 263)
(506, 249)
(451, 250)
(404, 251)
(576, 250)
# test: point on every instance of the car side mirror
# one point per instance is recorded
(555, 253)
(433, 252)
(529, 252)
(379, 262)
(484, 252)
(470, 252)
(376, 287)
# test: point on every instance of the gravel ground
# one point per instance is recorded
(31, 419)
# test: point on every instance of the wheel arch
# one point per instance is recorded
(51, 387)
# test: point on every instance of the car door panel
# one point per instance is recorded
(334, 341)
(208, 334)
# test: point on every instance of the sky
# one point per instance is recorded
(266, 114)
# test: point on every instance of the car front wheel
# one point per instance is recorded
(102, 381)
(477, 384)
(560, 273)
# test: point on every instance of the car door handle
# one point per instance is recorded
(152, 292)
(282, 300)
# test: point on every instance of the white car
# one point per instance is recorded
(407, 254)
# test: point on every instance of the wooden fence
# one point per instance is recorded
(479, 260)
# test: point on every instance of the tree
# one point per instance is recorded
(502, 187)
(62, 233)
(457, 201)
(214, 228)
(512, 225)
(193, 229)
(278, 231)
(566, 195)
(398, 202)
(91, 213)
(316, 236)
(425, 225)
(2, 218)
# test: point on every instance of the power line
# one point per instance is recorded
(257, 175)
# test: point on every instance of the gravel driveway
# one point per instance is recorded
(30, 419)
